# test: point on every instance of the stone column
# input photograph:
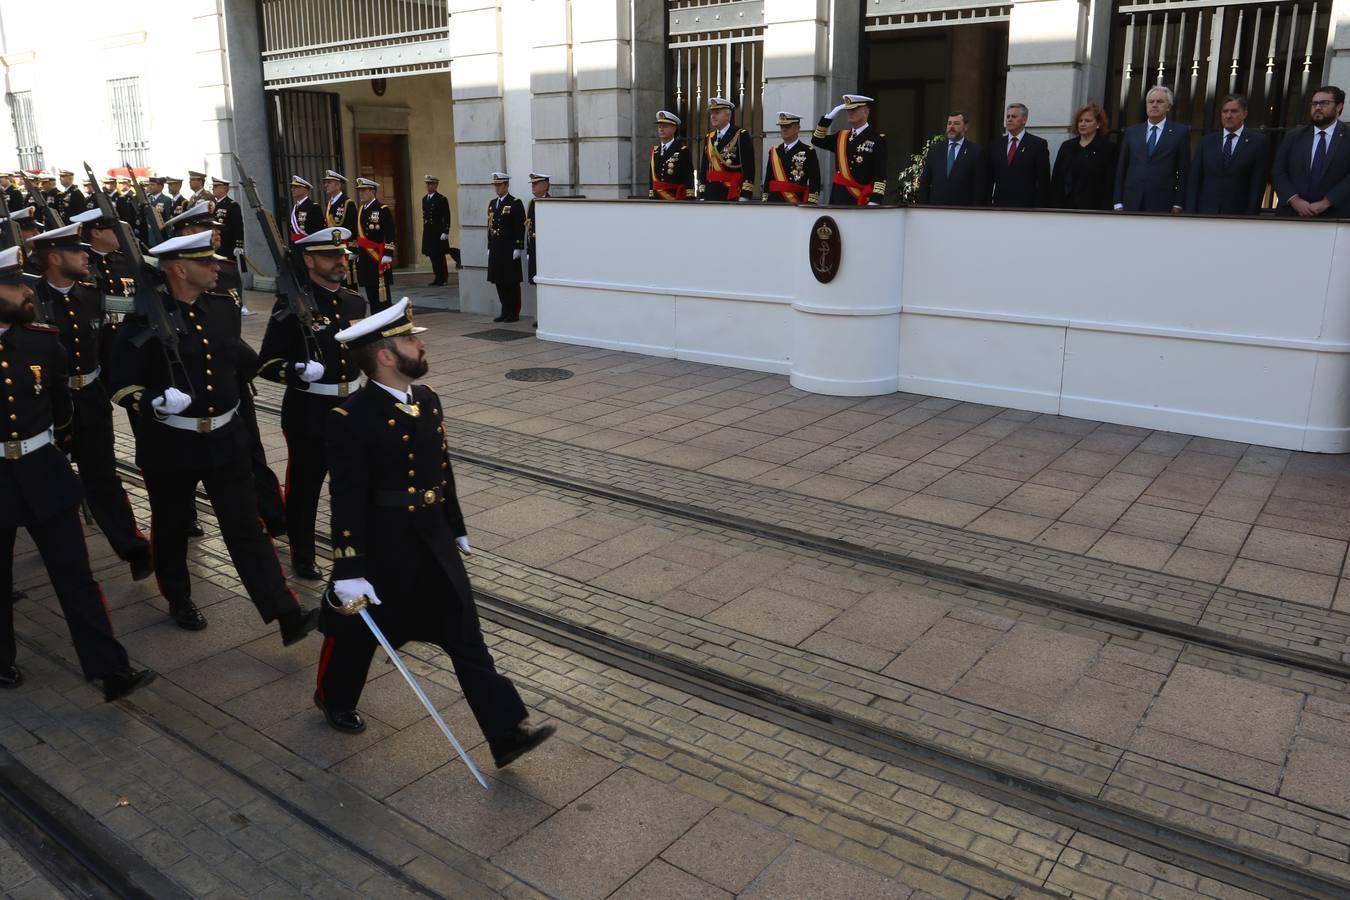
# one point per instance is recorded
(232, 79)
(553, 107)
(1337, 67)
(477, 91)
(1048, 56)
(604, 104)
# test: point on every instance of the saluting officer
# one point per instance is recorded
(189, 432)
(397, 536)
(506, 243)
(728, 167)
(793, 171)
(74, 307)
(539, 186)
(40, 493)
(313, 386)
(670, 164)
(436, 229)
(374, 245)
(859, 154)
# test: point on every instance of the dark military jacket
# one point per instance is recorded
(230, 219)
(34, 396)
(506, 234)
(78, 316)
(860, 169)
(304, 412)
(435, 222)
(14, 198)
(799, 169)
(340, 212)
(376, 226)
(735, 153)
(218, 363)
(530, 244)
(671, 172)
(304, 218)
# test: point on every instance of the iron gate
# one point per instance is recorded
(128, 122)
(25, 130)
(306, 140)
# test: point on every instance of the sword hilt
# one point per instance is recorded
(347, 608)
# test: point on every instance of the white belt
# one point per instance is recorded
(79, 381)
(204, 425)
(18, 449)
(341, 389)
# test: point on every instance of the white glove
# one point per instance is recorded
(309, 370)
(463, 544)
(348, 589)
(386, 260)
(446, 236)
(171, 402)
(742, 198)
(515, 254)
(238, 251)
(836, 111)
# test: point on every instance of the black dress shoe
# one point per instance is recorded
(186, 615)
(298, 623)
(124, 681)
(195, 529)
(500, 319)
(142, 563)
(307, 571)
(509, 319)
(348, 721)
(508, 749)
(10, 677)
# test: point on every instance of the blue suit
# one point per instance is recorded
(1228, 186)
(1153, 182)
(1292, 162)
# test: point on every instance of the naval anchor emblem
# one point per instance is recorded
(826, 249)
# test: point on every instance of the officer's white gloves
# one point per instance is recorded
(515, 254)
(463, 544)
(348, 589)
(742, 198)
(446, 236)
(386, 260)
(836, 111)
(171, 402)
(309, 370)
(238, 251)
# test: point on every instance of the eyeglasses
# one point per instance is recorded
(1324, 103)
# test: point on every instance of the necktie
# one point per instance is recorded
(1228, 147)
(1012, 149)
(951, 156)
(1152, 139)
(1319, 164)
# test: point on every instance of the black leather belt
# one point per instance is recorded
(412, 497)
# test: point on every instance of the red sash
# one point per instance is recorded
(792, 191)
(665, 190)
(844, 177)
(373, 249)
(732, 178)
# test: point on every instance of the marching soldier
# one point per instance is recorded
(436, 229)
(859, 154)
(160, 198)
(670, 163)
(793, 171)
(271, 505)
(728, 168)
(506, 242)
(108, 269)
(397, 538)
(188, 433)
(374, 246)
(39, 492)
(70, 201)
(313, 386)
(46, 184)
(74, 307)
(539, 185)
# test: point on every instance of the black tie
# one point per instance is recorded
(1228, 147)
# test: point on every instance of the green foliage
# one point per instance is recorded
(909, 176)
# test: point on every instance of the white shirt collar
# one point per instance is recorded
(787, 146)
(722, 132)
(958, 142)
(1160, 126)
(1017, 137)
(1328, 131)
(861, 128)
(63, 291)
(666, 145)
(1237, 135)
(400, 396)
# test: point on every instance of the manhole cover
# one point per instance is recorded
(539, 374)
(500, 334)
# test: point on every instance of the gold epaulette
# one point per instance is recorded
(340, 411)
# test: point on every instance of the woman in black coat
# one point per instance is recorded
(1085, 167)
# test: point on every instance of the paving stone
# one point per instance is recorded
(647, 577)
(661, 881)
(805, 873)
(1315, 774)
(777, 617)
(727, 850)
(451, 803)
(1291, 549)
(891, 619)
(1227, 711)
(1283, 582)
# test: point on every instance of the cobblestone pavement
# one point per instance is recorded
(224, 776)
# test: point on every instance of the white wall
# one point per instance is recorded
(1140, 320)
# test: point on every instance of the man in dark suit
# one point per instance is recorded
(1019, 164)
(506, 243)
(1228, 174)
(1154, 159)
(1312, 166)
(954, 172)
(436, 229)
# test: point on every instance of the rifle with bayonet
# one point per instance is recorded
(39, 199)
(146, 300)
(154, 222)
(294, 286)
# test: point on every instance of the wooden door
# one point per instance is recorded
(384, 158)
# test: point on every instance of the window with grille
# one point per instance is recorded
(128, 121)
(25, 129)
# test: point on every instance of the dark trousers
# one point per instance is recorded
(271, 503)
(437, 619)
(368, 273)
(439, 267)
(60, 541)
(92, 449)
(230, 489)
(509, 296)
(306, 467)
